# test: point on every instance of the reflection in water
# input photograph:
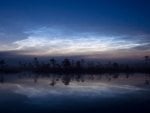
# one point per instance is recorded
(37, 85)
(1, 78)
(74, 93)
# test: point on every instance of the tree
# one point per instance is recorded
(78, 64)
(36, 62)
(2, 64)
(53, 62)
(146, 59)
(66, 63)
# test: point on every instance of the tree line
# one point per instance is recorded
(69, 66)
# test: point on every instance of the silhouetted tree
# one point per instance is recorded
(78, 64)
(66, 63)
(146, 59)
(36, 62)
(53, 62)
(2, 65)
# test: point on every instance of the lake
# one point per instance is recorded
(38, 93)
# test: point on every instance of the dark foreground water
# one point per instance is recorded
(29, 93)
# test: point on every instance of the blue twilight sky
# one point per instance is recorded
(90, 28)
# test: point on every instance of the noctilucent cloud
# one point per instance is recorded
(93, 28)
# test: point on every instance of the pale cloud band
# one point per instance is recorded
(50, 41)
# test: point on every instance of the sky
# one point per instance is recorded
(98, 29)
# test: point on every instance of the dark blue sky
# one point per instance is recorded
(75, 27)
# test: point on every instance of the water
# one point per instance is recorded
(31, 93)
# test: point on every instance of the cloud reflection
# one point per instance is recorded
(90, 89)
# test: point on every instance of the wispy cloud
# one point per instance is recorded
(54, 41)
(44, 41)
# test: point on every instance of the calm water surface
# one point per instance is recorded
(31, 93)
